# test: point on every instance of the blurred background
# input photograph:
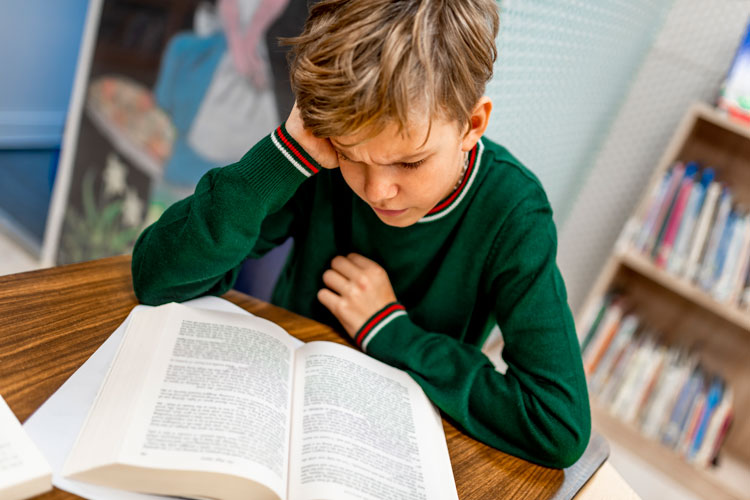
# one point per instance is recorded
(111, 110)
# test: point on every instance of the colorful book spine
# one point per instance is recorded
(623, 337)
(657, 230)
(702, 230)
(708, 265)
(725, 286)
(603, 336)
(691, 424)
(674, 427)
(592, 318)
(743, 265)
(723, 262)
(679, 255)
(656, 199)
(717, 421)
(713, 397)
(663, 247)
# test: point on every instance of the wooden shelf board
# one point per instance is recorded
(713, 115)
(729, 481)
(643, 266)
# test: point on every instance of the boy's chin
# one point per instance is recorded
(409, 218)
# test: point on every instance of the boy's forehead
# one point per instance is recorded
(413, 140)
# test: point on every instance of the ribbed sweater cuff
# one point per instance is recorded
(276, 166)
(381, 323)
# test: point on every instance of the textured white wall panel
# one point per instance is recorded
(562, 71)
(687, 62)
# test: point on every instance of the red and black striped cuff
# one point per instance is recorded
(377, 322)
(293, 152)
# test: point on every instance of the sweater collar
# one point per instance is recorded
(454, 199)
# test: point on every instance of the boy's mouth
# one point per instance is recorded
(389, 213)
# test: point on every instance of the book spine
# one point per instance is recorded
(664, 249)
(708, 209)
(706, 452)
(622, 338)
(712, 400)
(743, 264)
(685, 236)
(592, 318)
(708, 266)
(673, 428)
(726, 257)
(603, 337)
(660, 223)
(656, 200)
(691, 424)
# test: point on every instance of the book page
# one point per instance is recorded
(23, 471)
(214, 396)
(363, 430)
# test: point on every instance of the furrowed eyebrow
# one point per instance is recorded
(422, 155)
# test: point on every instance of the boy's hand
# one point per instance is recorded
(320, 149)
(357, 289)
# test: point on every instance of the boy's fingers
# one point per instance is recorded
(335, 281)
(345, 266)
(328, 299)
(361, 261)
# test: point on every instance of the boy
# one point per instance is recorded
(410, 229)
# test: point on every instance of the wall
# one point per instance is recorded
(562, 71)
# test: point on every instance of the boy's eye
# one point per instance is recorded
(403, 164)
(342, 155)
(412, 164)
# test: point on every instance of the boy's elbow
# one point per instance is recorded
(567, 443)
(569, 449)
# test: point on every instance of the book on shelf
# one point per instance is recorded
(692, 227)
(654, 230)
(202, 403)
(685, 235)
(713, 396)
(729, 265)
(605, 332)
(702, 229)
(24, 472)
(661, 390)
(665, 240)
(709, 263)
(739, 274)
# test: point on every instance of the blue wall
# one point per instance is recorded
(39, 41)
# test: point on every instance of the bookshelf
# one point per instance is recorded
(686, 314)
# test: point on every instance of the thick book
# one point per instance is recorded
(24, 472)
(211, 404)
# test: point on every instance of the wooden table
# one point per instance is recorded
(52, 320)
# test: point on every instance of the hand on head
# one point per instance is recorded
(319, 148)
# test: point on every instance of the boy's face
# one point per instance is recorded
(401, 176)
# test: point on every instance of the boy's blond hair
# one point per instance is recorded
(362, 64)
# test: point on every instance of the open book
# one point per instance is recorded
(23, 471)
(211, 404)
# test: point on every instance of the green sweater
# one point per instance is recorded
(484, 255)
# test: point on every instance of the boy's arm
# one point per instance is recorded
(538, 409)
(198, 245)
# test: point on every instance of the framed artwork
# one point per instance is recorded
(164, 91)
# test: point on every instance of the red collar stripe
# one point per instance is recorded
(457, 192)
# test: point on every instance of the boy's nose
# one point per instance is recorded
(379, 188)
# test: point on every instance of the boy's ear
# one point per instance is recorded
(480, 118)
